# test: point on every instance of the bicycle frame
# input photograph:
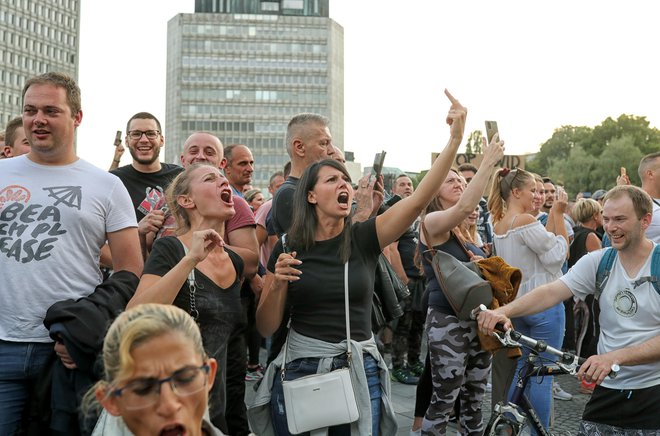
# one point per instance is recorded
(519, 410)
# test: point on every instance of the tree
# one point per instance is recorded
(474, 143)
(574, 171)
(621, 152)
(643, 137)
(558, 147)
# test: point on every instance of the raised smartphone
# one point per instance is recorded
(491, 130)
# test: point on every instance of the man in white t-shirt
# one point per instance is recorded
(629, 320)
(649, 174)
(56, 211)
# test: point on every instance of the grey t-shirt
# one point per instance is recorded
(629, 315)
(53, 223)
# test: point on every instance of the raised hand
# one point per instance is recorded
(456, 116)
(203, 242)
(493, 152)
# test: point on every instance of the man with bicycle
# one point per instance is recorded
(629, 342)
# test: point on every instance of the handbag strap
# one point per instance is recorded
(349, 353)
(192, 286)
(429, 244)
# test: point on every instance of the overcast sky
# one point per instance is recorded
(532, 66)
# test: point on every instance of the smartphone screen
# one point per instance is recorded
(491, 130)
(379, 159)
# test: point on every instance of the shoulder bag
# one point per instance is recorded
(321, 400)
(460, 281)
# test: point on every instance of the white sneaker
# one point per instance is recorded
(559, 394)
(416, 432)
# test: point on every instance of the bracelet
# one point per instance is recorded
(115, 160)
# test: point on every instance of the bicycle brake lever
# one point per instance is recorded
(506, 340)
(570, 367)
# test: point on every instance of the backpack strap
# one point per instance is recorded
(654, 278)
(605, 266)
(603, 272)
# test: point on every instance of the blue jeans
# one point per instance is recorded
(302, 367)
(548, 326)
(20, 365)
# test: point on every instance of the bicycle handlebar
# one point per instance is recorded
(569, 362)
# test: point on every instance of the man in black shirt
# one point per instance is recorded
(308, 140)
(146, 178)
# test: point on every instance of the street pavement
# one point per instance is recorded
(567, 414)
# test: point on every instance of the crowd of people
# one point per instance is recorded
(137, 300)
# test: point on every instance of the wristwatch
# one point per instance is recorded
(615, 369)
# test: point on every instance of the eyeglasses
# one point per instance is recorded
(145, 392)
(137, 134)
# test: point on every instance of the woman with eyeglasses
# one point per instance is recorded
(195, 271)
(523, 242)
(307, 272)
(157, 374)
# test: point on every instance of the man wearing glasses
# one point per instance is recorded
(146, 178)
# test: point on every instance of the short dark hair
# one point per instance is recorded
(229, 150)
(547, 179)
(467, 167)
(59, 80)
(10, 130)
(274, 176)
(646, 162)
(143, 116)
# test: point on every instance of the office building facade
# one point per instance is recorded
(241, 69)
(35, 37)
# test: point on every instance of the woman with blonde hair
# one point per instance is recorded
(195, 271)
(523, 242)
(157, 374)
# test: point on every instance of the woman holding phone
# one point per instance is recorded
(310, 276)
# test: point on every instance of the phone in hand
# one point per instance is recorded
(117, 138)
(491, 130)
(285, 246)
(623, 172)
(377, 167)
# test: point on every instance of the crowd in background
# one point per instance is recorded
(251, 268)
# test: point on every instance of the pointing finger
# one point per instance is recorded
(451, 98)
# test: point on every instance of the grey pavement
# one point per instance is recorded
(567, 414)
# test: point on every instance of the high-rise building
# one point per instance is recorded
(35, 37)
(242, 68)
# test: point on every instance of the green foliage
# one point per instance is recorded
(419, 178)
(587, 159)
(474, 143)
(558, 147)
(643, 137)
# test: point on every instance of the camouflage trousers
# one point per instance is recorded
(459, 369)
(588, 428)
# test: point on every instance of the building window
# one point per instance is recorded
(269, 6)
(293, 4)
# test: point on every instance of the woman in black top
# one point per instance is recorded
(309, 274)
(201, 201)
(588, 213)
(458, 365)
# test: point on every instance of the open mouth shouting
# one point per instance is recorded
(226, 196)
(173, 430)
(342, 199)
